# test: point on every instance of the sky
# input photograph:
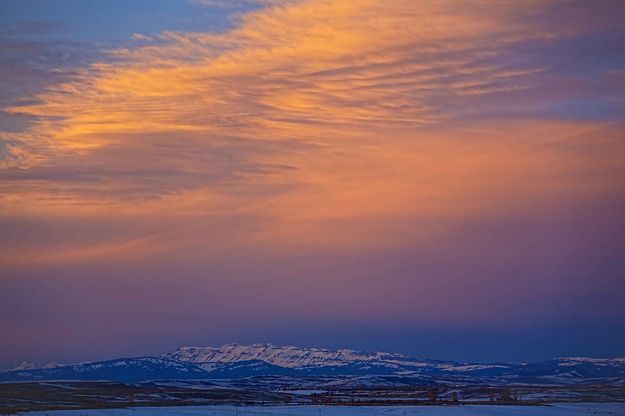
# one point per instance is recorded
(417, 177)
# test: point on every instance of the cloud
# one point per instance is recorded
(146, 167)
(316, 72)
(293, 86)
(325, 156)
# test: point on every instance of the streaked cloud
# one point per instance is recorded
(402, 152)
(297, 68)
(299, 94)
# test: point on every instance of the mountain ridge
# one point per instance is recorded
(289, 356)
(235, 361)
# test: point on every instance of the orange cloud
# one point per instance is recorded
(287, 66)
(329, 123)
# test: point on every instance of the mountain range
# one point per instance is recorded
(235, 361)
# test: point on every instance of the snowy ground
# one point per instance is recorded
(564, 409)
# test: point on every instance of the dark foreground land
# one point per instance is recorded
(23, 397)
(60, 395)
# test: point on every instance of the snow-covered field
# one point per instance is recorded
(564, 409)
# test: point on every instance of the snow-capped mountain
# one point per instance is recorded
(601, 362)
(575, 368)
(234, 361)
(53, 365)
(24, 365)
(125, 370)
(27, 365)
(210, 358)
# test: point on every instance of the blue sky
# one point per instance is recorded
(115, 21)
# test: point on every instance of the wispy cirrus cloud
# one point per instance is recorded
(293, 84)
(306, 71)
(189, 112)
(418, 150)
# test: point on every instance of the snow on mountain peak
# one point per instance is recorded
(24, 366)
(286, 356)
(573, 361)
(239, 361)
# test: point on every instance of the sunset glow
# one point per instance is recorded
(398, 174)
